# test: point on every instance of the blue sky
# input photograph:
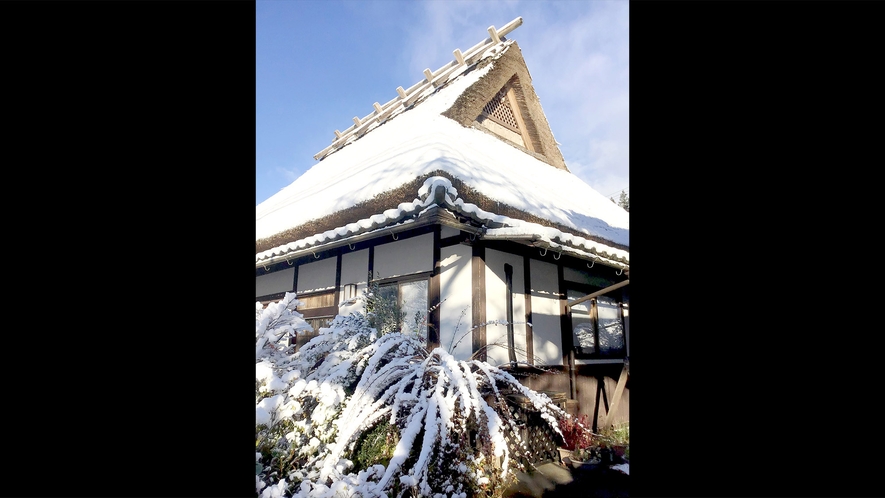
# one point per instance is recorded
(320, 63)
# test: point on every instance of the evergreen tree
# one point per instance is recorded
(624, 201)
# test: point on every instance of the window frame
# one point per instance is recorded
(618, 298)
(326, 313)
(406, 279)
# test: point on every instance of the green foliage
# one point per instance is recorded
(383, 309)
(624, 201)
(615, 436)
(602, 447)
(376, 446)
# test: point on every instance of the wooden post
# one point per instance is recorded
(494, 34)
(517, 113)
(616, 399)
(478, 299)
(510, 26)
(459, 56)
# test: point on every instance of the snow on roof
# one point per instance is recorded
(438, 191)
(419, 142)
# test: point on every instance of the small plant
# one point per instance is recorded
(575, 432)
(617, 436)
(618, 439)
(590, 454)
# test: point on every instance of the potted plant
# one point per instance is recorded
(576, 435)
(584, 455)
(617, 439)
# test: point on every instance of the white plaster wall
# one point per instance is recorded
(546, 328)
(317, 276)
(455, 285)
(354, 270)
(404, 257)
(278, 281)
(448, 231)
(496, 307)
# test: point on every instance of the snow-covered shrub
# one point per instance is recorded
(358, 413)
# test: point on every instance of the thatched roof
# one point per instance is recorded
(439, 135)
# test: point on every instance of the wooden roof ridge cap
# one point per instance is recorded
(431, 78)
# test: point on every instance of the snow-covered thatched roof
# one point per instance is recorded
(427, 152)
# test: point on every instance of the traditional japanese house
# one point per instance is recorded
(454, 198)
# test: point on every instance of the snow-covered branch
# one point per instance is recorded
(358, 413)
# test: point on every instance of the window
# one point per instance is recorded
(498, 109)
(318, 310)
(403, 306)
(597, 327)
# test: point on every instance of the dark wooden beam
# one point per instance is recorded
(478, 279)
(511, 340)
(434, 298)
(338, 279)
(529, 335)
(371, 265)
(568, 349)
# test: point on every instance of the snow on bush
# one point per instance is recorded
(358, 413)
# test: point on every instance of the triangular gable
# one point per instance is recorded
(507, 91)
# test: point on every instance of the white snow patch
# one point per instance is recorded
(624, 467)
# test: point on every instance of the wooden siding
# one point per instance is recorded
(595, 386)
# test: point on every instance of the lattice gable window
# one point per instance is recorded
(498, 110)
(502, 116)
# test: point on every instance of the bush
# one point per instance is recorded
(375, 446)
(357, 413)
(575, 432)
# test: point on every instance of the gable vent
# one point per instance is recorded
(498, 109)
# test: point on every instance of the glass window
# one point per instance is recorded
(597, 327)
(413, 302)
(582, 324)
(611, 328)
(318, 310)
(403, 306)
